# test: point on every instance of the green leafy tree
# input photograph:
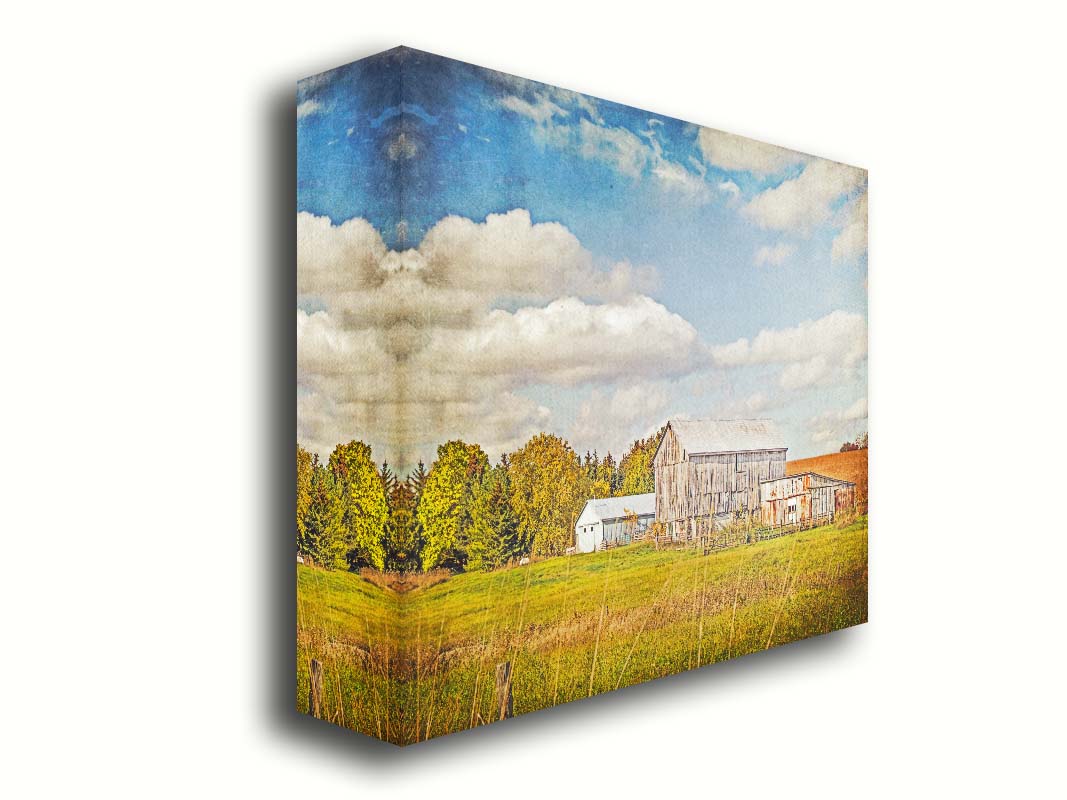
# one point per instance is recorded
(323, 536)
(303, 489)
(444, 508)
(638, 476)
(548, 489)
(363, 499)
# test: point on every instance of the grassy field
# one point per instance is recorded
(350, 625)
(850, 466)
(571, 626)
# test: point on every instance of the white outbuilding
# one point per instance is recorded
(613, 520)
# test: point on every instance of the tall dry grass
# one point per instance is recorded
(571, 627)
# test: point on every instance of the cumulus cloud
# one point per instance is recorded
(851, 243)
(569, 342)
(814, 352)
(541, 110)
(750, 406)
(838, 426)
(307, 108)
(421, 345)
(584, 133)
(614, 420)
(738, 154)
(801, 204)
(774, 255)
(729, 188)
(615, 146)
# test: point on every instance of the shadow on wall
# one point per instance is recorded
(277, 589)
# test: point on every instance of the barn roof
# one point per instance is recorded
(727, 435)
(820, 480)
(618, 507)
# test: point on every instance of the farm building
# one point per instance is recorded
(708, 472)
(807, 497)
(613, 520)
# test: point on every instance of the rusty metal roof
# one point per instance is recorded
(727, 435)
(826, 479)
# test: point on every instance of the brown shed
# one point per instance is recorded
(807, 497)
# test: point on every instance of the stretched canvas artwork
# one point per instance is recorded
(581, 396)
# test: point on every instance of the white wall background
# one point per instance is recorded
(148, 359)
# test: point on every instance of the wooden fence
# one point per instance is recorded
(710, 539)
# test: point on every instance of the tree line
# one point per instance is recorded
(860, 443)
(463, 513)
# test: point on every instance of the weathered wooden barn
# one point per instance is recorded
(611, 521)
(708, 472)
(803, 498)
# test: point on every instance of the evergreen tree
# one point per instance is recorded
(491, 538)
(401, 552)
(417, 479)
(388, 478)
(609, 475)
(323, 538)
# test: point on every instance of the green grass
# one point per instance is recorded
(350, 625)
(571, 626)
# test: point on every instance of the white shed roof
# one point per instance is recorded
(617, 507)
(727, 435)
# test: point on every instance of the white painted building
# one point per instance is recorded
(610, 520)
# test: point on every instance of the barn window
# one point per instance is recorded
(792, 504)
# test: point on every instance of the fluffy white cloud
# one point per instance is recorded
(307, 108)
(801, 204)
(774, 255)
(615, 420)
(812, 353)
(672, 176)
(751, 406)
(569, 342)
(834, 427)
(738, 154)
(584, 133)
(851, 243)
(332, 258)
(410, 348)
(617, 147)
(541, 110)
(729, 188)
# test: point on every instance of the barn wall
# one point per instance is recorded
(622, 531)
(587, 541)
(816, 497)
(696, 487)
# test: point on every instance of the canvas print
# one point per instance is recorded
(581, 395)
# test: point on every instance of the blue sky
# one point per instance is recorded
(492, 209)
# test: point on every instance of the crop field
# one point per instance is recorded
(571, 627)
(850, 466)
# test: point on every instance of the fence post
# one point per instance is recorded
(502, 696)
(316, 688)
